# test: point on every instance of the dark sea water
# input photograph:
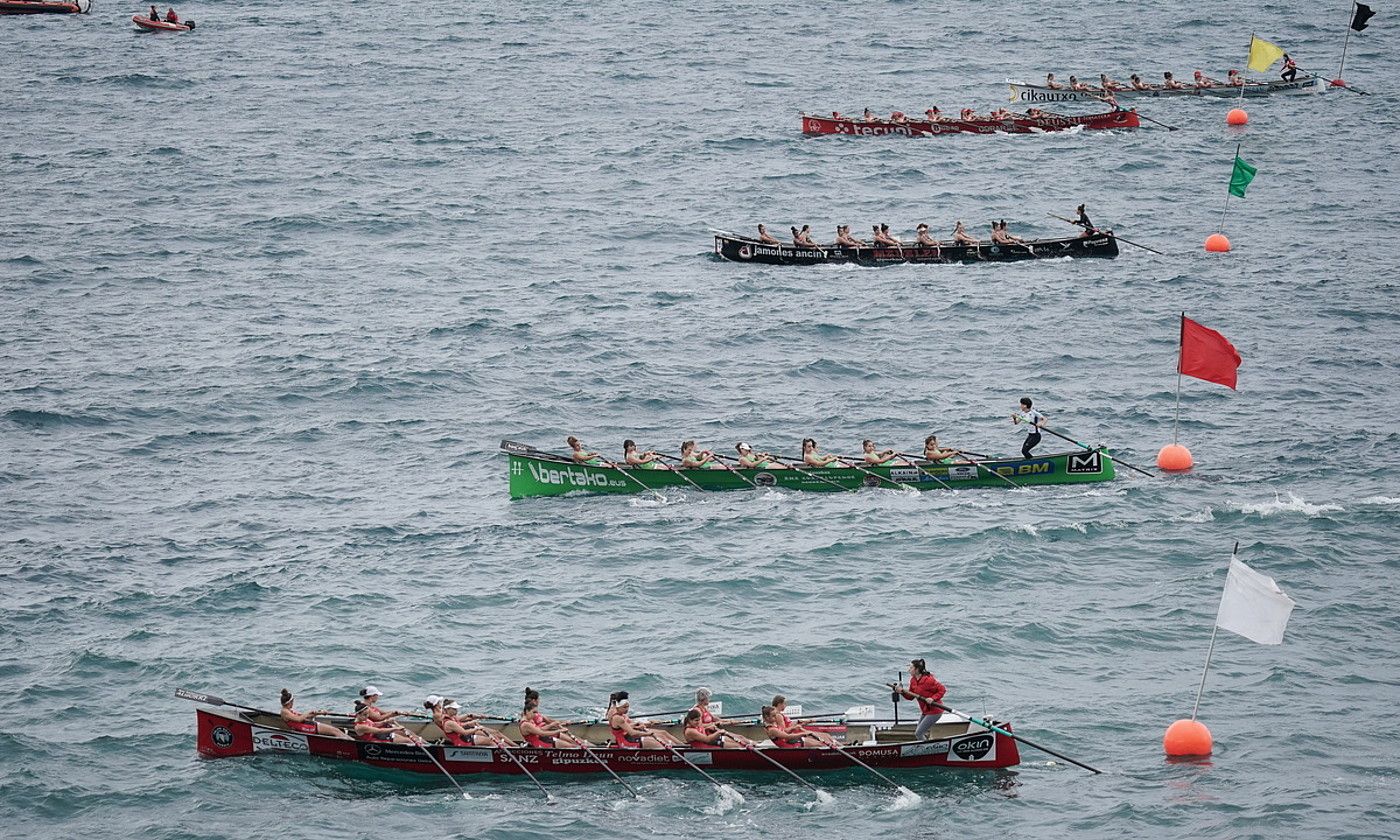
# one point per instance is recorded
(271, 293)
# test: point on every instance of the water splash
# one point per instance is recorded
(823, 799)
(726, 800)
(1293, 504)
(906, 799)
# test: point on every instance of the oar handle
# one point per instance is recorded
(986, 724)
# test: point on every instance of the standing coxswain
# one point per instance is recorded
(1083, 221)
(1032, 418)
(926, 689)
(1290, 68)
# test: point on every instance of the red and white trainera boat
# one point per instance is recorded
(952, 744)
(1015, 124)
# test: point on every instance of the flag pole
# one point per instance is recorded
(1345, 42)
(1210, 650)
(1176, 421)
(1238, 146)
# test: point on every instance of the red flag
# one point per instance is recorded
(1206, 354)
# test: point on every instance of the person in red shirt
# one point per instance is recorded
(171, 17)
(926, 689)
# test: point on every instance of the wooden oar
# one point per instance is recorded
(989, 725)
(773, 761)
(850, 463)
(1091, 449)
(1158, 122)
(1115, 236)
(579, 742)
(720, 461)
(548, 797)
(693, 766)
(787, 462)
(429, 753)
(891, 782)
(678, 473)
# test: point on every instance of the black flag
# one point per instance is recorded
(1363, 14)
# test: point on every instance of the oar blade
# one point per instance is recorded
(518, 448)
(196, 697)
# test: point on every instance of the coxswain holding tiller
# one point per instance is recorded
(924, 688)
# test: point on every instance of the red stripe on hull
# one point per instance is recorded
(1014, 125)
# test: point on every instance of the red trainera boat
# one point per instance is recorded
(1015, 124)
(956, 744)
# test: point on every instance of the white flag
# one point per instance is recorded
(1253, 605)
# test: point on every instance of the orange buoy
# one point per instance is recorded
(1216, 243)
(1187, 737)
(1174, 458)
(1237, 116)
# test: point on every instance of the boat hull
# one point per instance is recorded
(224, 734)
(816, 125)
(532, 475)
(44, 7)
(745, 250)
(145, 22)
(1026, 93)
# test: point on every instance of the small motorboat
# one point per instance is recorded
(145, 22)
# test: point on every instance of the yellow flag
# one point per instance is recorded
(1262, 54)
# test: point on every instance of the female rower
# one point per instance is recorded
(885, 456)
(1169, 82)
(1006, 235)
(765, 237)
(629, 734)
(580, 455)
(934, 115)
(1075, 84)
(967, 115)
(644, 460)
(698, 736)
(1051, 83)
(812, 458)
(898, 117)
(1110, 85)
(1137, 83)
(844, 238)
(701, 460)
(462, 731)
(928, 691)
(883, 237)
(306, 721)
(1202, 80)
(368, 729)
(935, 454)
(787, 734)
(1234, 79)
(750, 460)
(1290, 68)
(923, 238)
(369, 696)
(961, 236)
(540, 731)
(708, 723)
(804, 237)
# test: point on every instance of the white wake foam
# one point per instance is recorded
(1293, 504)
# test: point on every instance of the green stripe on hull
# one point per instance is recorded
(531, 476)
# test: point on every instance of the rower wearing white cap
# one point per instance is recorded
(750, 460)
(462, 731)
(306, 721)
(369, 696)
(628, 733)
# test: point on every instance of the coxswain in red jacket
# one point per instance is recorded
(171, 17)
(926, 689)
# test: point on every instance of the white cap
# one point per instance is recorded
(433, 699)
(370, 691)
(623, 702)
(454, 706)
(744, 447)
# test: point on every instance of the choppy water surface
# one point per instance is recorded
(272, 292)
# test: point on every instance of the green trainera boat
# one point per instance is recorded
(536, 473)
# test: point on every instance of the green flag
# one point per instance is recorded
(1240, 178)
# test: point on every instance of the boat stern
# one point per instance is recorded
(222, 736)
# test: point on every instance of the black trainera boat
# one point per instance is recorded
(733, 246)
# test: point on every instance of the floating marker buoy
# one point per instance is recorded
(1174, 458)
(1338, 83)
(1237, 116)
(1216, 243)
(1187, 737)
